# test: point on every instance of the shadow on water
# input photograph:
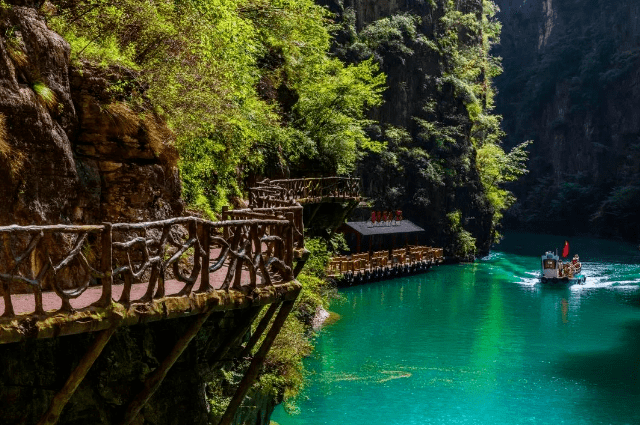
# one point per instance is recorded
(614, 372)
(631, 298)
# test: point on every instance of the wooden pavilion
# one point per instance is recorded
(377, 236)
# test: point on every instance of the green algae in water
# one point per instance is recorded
(484, 343)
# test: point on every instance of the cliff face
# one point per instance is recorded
(70, 149)
(420, 174)
(34, 370)
(571, 83)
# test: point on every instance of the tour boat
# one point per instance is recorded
(554, 270)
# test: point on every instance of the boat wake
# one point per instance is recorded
(525, 272)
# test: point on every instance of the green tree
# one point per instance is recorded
(238, 82)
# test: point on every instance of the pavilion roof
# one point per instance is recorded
(365, 228)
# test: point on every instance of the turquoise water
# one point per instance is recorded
(484, 343)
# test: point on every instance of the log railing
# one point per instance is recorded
(293, 213)
(269, 193)
(66, 260)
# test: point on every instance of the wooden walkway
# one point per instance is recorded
(64, 279)
(67, 279)
(24, 304)
(278, 193)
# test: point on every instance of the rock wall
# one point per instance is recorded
(34, 370)
(126, 160)
(571, 83)
(70, 151)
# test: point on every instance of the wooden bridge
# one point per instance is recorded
(277, 193)
(365, 267)
(326, 201)
(66, 279)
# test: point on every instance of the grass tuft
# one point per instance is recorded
(125, 119)
(18, 56)
(160, 139)
(46, 95)
(14, 47)
(14, 158)
(4, 146)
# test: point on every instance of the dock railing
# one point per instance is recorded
(381, 262)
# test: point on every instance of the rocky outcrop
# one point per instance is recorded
(571, 83)
(39, 180)
(71, 150)
(127, 163)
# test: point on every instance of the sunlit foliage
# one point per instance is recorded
(241, 82)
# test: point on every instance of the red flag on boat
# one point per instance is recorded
(565, 250)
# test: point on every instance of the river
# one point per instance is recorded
(484, 343)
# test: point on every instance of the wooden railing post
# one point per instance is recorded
(288, 244)
(205, 241)
(106, 266)
(8, 304)
(299, 221)
(225, 214)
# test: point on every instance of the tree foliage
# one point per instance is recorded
(239, 81)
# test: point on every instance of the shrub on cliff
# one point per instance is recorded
(445, 156)
(284, 375)
(283, 367)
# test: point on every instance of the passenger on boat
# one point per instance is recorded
(575, 263)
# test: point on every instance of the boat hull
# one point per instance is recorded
(579, 278)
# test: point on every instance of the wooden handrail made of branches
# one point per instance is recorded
(301, 190)
(199, 256)
(294, 213)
